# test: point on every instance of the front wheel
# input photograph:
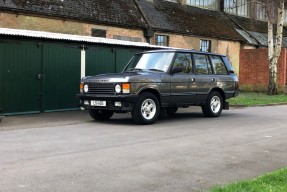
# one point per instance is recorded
(146, 110)
(100, 115)
(213, 105)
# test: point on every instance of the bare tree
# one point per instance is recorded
(275, 15)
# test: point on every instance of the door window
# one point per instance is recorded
(202, 64)
(218, 65)
(184, 61)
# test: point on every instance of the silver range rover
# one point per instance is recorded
(159, 82)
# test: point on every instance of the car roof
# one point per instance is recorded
(181, 51)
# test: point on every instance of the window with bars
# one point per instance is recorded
(205, 45)
(237, 7)
(208, 4)
(260, 11)
(161, 40)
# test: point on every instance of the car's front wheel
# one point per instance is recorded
(213, 105)
(100, 115)
(146, 110)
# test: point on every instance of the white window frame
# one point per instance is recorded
(237, 7)
(207, 4)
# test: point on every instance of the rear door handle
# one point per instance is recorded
(213, 79)
(192, 79)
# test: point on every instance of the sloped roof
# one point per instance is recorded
(173, 17)
(254, 25)
(255, 31)
(75, 38)
(114, 12)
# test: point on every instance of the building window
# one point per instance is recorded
(208, 4)
(237, 7)
(161, 40)
(205, 45)
(260, 11)
(98, 33)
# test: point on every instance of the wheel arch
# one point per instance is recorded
(219, 90)
(153, 91)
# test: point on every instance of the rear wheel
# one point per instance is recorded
(146, 110)
(100, 115)
(213, 105)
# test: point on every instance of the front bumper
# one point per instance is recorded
(126, 101)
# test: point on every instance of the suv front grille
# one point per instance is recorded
(101, 88)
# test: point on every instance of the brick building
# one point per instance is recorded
(224, 26)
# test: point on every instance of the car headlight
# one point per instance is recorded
(118, 88)
(86, 88)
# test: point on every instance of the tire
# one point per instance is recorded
(100, 115)
(213, 105)
(171, 110)
(146, 110)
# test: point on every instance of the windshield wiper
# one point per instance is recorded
(158, 70)
(134, 69)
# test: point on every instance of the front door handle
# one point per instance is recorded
(213, 79)
(39, 76)
(192, 79)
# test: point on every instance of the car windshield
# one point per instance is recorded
(158, 62)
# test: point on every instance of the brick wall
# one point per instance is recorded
(254, 70)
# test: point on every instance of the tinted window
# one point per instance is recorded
(184, 61)
(218, 65)
(202, 64)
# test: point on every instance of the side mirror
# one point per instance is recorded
(176, 70)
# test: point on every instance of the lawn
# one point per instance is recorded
(271, 182)
(252, 99)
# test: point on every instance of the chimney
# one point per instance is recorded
(182, 2)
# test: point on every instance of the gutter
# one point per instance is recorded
(148, 33)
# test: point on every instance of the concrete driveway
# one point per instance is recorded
(68, 152)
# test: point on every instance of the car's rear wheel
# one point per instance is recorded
(213, 105)
(146, 110)
(101, 115)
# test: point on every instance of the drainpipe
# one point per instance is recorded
(148, 32)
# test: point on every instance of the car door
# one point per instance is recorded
(183, 89)
(204, 78)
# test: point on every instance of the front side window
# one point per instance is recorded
(184, 61)
(237, 7)
(202, 64)
(158, 62)
(208, 4)
(161, 40)
(218, 65)
(205, 45)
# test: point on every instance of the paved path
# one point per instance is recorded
(68, 152)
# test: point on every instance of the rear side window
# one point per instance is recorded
(202, 64)
(218, 65)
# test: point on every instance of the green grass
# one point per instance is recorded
(251, 99)
(271, 182)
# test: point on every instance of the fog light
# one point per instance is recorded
(86, 102)
(118, 104)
